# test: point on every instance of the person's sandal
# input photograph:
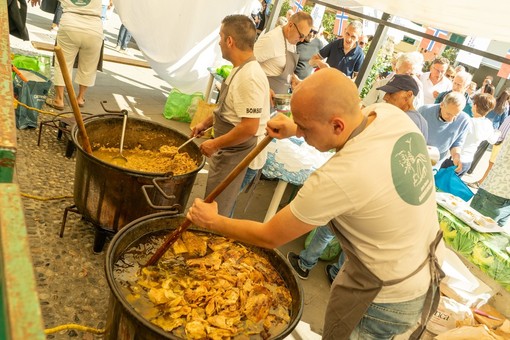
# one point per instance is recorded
(51, 103)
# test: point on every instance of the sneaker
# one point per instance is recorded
(295, 263)
(328, 274)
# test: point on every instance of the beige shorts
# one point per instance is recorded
(89, 47)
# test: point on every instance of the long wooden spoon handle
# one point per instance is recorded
(72, 97)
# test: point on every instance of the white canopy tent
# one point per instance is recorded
(180, 38)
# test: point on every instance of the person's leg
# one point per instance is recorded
(58, 15)
(335, 268)
(81, 95)
(495, 207)
(126, 40)
(309, 257)
(385, 320)
(120, 37)
(70, 50)
(248, 178)
(58, 100)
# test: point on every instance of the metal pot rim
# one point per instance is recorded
(91, 158)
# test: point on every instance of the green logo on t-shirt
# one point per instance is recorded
(80, 2)
(411, 169)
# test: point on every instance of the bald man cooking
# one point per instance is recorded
(378, 181)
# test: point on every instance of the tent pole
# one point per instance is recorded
(371, 55)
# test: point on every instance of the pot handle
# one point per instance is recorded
(156, 185)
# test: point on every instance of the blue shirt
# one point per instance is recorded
(347, 63)
(497, 119)
(420, 122)
(443, 135)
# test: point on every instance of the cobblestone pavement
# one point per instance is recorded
(70, 278)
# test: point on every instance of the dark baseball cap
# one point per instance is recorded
(401, 82)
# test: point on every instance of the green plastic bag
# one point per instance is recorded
(224, 70)
(178, 105)
(332, 250)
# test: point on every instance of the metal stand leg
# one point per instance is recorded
(275, 201)
(99, 240)
(73, 209)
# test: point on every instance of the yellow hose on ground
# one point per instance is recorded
(76, 327)
(17, 102)
(40, 198)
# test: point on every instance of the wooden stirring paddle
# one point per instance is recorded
(218, 190)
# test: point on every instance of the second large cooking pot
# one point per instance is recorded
(110, 196)
(125, 323)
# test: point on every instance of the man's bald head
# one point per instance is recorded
(326, 109)
(325, 94)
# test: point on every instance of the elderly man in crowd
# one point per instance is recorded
(479, 130)
(391, 270)
(409, 63)
(243, 102)
(448, 126)
(461, 82)
(401, 91)
(434, 81)
(344, 54)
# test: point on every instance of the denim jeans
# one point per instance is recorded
(385, 320)
(310, 256)
(498, 208)
(124, 37)
(250, 175)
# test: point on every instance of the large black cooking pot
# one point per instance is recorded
(110, 196)
(124, 323)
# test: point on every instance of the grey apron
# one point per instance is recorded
(280, 84)
(226, 159)
(356, 287)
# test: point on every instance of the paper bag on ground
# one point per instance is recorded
(203, 111)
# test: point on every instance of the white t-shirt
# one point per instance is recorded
(380, 189)
(480, 129)
(88, 20)
(270, 51)
(428, 88)
(248, 97)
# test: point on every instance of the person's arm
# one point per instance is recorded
(240, 133)
(281, 127)
(318, 61)
(455, 153)
(280, 229)
(202, 126)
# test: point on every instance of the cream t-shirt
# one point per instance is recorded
(380, 189)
